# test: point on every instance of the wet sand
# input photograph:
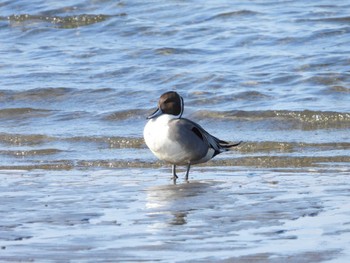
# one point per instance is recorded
(228, 214)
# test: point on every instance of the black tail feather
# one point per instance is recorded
(227, 145)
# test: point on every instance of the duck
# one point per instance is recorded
(177, 140)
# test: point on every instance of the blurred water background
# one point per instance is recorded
(78, 79)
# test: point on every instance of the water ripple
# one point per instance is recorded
(58, 21)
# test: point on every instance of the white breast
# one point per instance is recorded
(156, 135)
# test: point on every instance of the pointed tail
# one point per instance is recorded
(226, 145)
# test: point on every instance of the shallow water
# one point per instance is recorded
(79, 184)
(126, 214)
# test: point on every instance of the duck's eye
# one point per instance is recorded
(168, 100)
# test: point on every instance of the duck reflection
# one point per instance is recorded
(180, 218)
(170, 205)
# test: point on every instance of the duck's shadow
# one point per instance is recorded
(178, 200)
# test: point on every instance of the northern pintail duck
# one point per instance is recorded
(177, 140)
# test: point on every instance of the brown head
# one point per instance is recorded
(169, 103)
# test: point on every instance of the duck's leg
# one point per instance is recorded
(187, 172)
(174, 173)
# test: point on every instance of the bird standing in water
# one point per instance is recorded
(177, 140)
